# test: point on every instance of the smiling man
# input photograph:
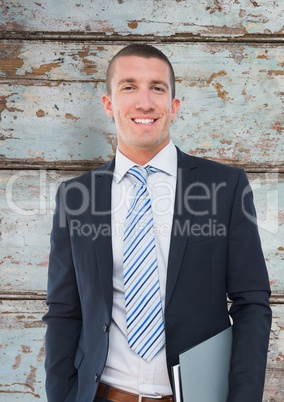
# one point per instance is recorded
(141, 102)
(175, 236)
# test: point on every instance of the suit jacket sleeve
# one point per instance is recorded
(248, 288)
(64, 316)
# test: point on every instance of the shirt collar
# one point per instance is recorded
(160, 161)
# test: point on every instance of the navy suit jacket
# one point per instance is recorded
(215, 253)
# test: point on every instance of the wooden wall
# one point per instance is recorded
(228, 57)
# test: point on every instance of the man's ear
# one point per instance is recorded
(106, 101)
(175, 107)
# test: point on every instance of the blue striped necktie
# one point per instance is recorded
(144, 316)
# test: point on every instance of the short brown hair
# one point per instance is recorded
(141, 50)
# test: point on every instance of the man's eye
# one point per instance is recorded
(127, 88)
(158, 89)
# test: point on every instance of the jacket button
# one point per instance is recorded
(97, 377)
(105, 328)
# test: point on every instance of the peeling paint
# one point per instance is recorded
(31, 378)
(278, 126)
(41, 353)
(222, 93)
(71, 117)
(26, 349)
(4, 106)
(238, 54)
(17, 363)
(44, 69)
(43, 264)
(112, 141)
(89, 65)
(221, 73)
(40, 113)
(133, 24)
(204, 17)
(276, 72)
(254, 3)
(216, 7)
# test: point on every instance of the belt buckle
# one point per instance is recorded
(141, 396)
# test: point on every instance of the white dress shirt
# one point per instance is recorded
(124, 369)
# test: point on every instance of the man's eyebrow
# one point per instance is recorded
(160, 82)
(133, 80)
(126, 81)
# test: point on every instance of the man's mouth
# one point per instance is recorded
(144, 121)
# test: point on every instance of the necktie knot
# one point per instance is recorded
(138, 174)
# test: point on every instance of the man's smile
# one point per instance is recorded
(144, 121)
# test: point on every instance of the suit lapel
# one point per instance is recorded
(188, 173)
(103, 245)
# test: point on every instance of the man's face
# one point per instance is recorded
(141, 104)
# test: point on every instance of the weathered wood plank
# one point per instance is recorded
(193, 62)
(232, 103)
(54, 60)
(54, 123)
(22, 353)
(276, 346)
(27, 202)
(274, 384)
(163, 17)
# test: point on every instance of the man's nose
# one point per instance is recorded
(144, 101)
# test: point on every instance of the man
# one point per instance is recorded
(206, 247)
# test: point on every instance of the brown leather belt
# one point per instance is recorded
(118, 395)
